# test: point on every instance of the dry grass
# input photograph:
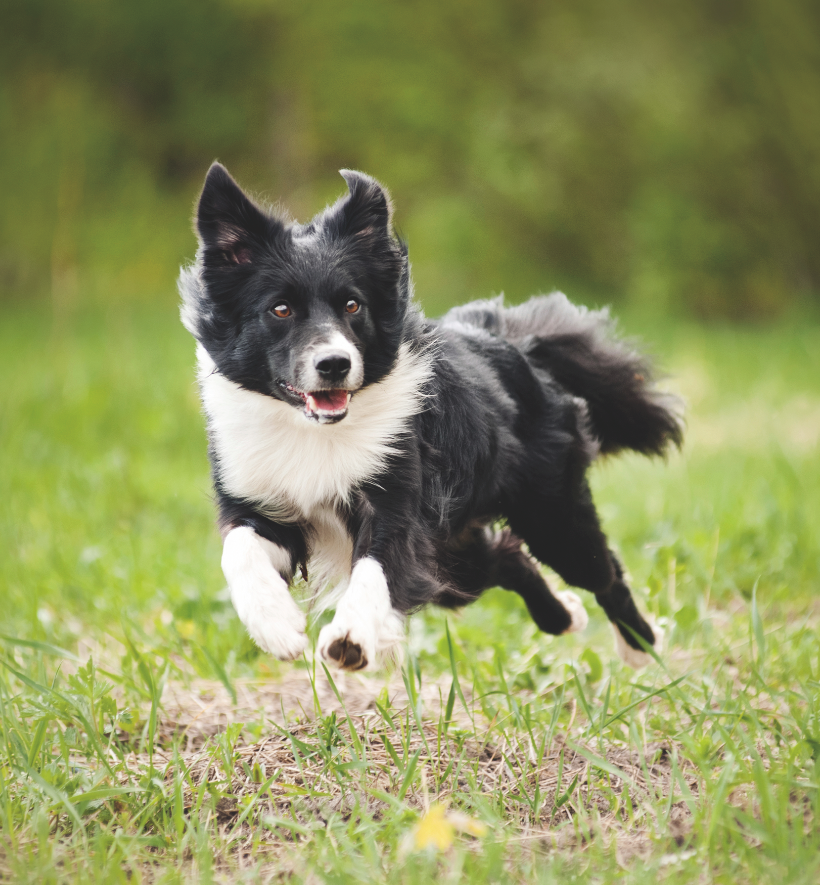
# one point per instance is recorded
(291, 774)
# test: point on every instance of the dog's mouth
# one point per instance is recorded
(324, 406)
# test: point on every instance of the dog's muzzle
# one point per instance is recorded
(328, 380)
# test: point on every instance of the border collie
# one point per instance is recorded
(397, 459)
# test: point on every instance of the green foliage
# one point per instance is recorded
(662, 153)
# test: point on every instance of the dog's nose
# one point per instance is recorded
(332, 366)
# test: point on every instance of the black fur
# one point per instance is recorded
(519, 402)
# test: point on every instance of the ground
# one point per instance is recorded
(144, 738)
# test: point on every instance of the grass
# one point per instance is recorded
(143, 737)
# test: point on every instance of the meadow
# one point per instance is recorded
(143, 738)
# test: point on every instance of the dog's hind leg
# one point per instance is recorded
(555, 612)
(565, 534)
(496, 559)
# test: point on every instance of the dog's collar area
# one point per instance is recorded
(323, 406)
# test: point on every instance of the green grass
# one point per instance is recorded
(563, 765)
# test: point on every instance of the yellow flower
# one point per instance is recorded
(185, 629)
(438, 828)
(434, 829)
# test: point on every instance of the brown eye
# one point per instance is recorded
(282, 310)
(352, 306)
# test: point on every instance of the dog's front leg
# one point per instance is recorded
(258, 572)
(365, 622)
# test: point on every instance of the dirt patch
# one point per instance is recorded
(203, 708)
(353, 760)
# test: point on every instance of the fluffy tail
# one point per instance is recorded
(580, 351)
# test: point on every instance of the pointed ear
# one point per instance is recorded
(367, 209)
(229, 224)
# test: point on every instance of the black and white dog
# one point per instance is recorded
(379, 451)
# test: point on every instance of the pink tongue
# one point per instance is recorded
(327, 400)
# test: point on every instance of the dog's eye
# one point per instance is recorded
(282, 310)
(352, 306)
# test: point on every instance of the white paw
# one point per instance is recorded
(365, 624)
(276, 625)
(261, 596)
(577, 612)
(631, 656)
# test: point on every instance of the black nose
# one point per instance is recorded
(332, 366)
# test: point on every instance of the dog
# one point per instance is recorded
(400, 460)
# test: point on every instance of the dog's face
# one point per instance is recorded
(304, 313)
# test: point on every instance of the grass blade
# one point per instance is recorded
(757, 627)
(44, 647)
(408, 774)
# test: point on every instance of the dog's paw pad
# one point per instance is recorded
(575, 609)
(634, 657)
(346, 654)
(340, 649)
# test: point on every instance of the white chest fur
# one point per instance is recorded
(290, 467)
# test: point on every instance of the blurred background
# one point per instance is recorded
(653, 154)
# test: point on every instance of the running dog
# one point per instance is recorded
(401, 460)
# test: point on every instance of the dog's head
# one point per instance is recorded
(304, 313)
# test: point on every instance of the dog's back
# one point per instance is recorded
(579, 350)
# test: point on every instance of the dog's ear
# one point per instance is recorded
(367, 210)
(230, 226)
